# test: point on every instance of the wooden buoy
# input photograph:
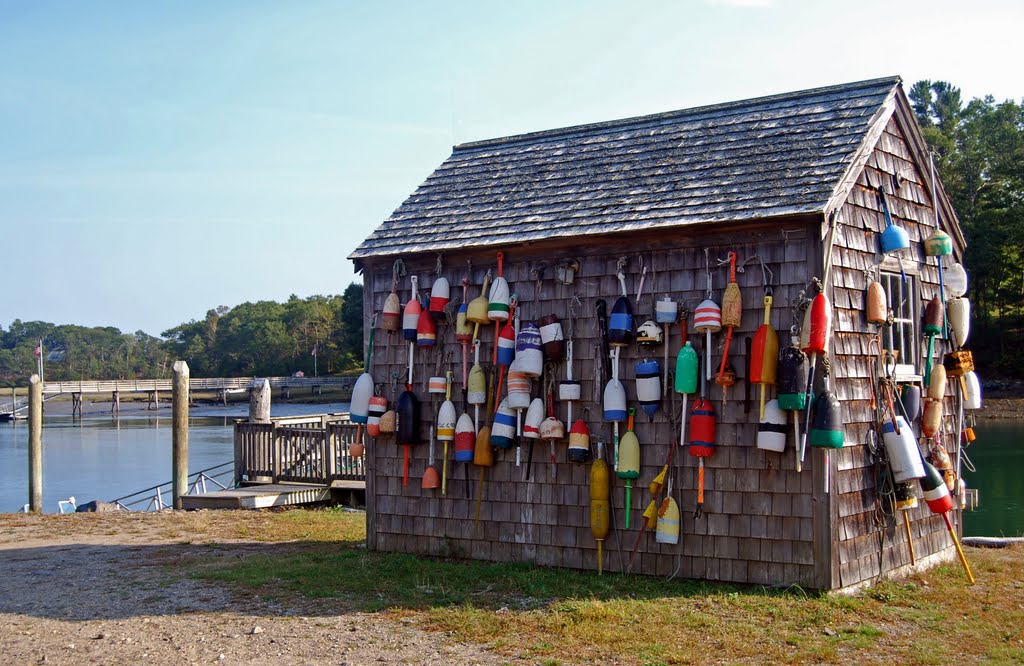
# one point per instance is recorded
(378, 406)
(938, 244)
(877, 310)
(765, 352)
(910, 396)
(498, 300)
(628, 468)
(827, 431)
(815, 336)
(972, 391)
(426, 329)
(667, 527)
(579, 442)
(440, 294)
(931, 326)
(956, 281)
(503, 431)
(529, 358)
(771, 433)
(687, 370)
(446, 424)
(792, 396)
(552, 341)
(477, 391)
(901, 449)
(702, 443)
(552, 430)
(534, 416)
(958, 312)
(666, 313)
(506, 345)
(600, 504)
(893, 239)
(936, 495)
(620, 323)
(408, 434)
(391, 313)
(464, 332)
(707, 319)
(932, 418)
(483, 457)
(476, 311)
(648, 334)
(437, 385)
(732, 313)
(937, 387)
(465, 438)
(614, 400)
(411, 313)
(518, 389)
(648, 387)
(359, 410)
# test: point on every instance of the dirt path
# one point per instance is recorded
(94, 589)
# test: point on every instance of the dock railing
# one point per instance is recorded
(298, 449)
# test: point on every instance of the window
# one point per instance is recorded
(900, 339)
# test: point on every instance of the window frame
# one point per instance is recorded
(905, 313)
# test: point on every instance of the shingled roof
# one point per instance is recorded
(753, 159)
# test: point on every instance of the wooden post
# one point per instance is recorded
(179, 435)
(259, 401)
(115, 406)
(35, 444)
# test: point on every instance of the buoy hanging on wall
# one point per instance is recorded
(771, 433)
(579, 442)
(901, 449)
(440, 294)
(648, 387)
(551, 338)
(958, 312)
(503, 431)
(877, 310)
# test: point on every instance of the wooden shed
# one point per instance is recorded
(792, 182)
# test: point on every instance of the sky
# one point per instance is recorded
(159, 159)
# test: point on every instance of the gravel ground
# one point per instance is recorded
(96, 591)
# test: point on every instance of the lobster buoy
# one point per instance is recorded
(506, 345)
(463, 326)
(389, 422)
(377, 407)
(359, 407)
(817, 329)
(534, 417)
(476, 391)
(552, 429)
(408, 434)
(771, 433)
(648, 334)
(666, 311)
(893, 238)
(904, 496)
(620, 324)
(569, 390)
(901, 449)
(411, 313)
(958, 312)
(503, 430)
(499, 303)
(956, 281)
(792, 371)
(910, 396)
(667, 530)
(687, 371)
(579, 442)
(465, 438)
(972, 391)
(938, 244)
(827, 431)
(648, 387)
(764, 354)
(483, 454)
(551, 339)
(932, 418)
(877, 310)
(476, 311)
(391, 313)
(939, 457)
(934, 489)
(937, 387)
(702, 429)
(426, 329)
(437, 385)
(707, 319)
(932, 326)
(518, 389)
(628, 468)
(600, 505)
(440, 294)
(614, 401)
(446, 421)
(529, 359)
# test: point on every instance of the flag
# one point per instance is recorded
(313, 352)
(39, 350)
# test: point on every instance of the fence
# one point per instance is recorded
(306, 449)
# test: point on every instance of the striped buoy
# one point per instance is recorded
(972, 391)
(498, 301)
(628, 467)
(764, 354)
(904, 496)
(411, 313)
(506, 345)
(518, 389)
(901, 449)
(958, 313)
(702, 429)
(446, 421)
(792, 372)
(552, 429)
(552, 341)
(934, 489)
(771, 433)
(910, 396)
(648, 387)
(476, 392)
(391, 313)
(440, 294)
(707, 319)
(579, 442)
(437, 385)
(648, 334)
(620, 323)
(503, 430)
(931, 326)
(359, 407)
(465, 438)
(476, 311)
(827, 431)
(614, 401)
(529, 359)
(877, 310)
(534, 416)
(463, 326)
(667, 529)
(378, 406)
(426, 329)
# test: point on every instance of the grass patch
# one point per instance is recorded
(560, 616)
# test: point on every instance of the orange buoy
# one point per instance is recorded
(765, 352)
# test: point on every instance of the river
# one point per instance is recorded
(99, 457)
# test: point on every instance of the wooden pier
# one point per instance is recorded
(290, 461)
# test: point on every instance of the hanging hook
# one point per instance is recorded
(439, 267)
(707, 268)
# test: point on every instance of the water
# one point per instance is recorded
(99, 457)
(998, 456)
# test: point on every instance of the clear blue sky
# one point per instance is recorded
(158, 159)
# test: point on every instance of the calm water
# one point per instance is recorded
(998, 455)
(98, 457)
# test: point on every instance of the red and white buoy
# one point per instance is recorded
(815, 337)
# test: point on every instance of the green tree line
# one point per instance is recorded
(265, 338)
(979, 154)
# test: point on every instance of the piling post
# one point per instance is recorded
(259, 401)
(35, 444)
(179, 435)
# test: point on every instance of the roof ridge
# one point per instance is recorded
(670, 115)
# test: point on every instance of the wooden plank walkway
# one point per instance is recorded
(195, 384)
(268, 495)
